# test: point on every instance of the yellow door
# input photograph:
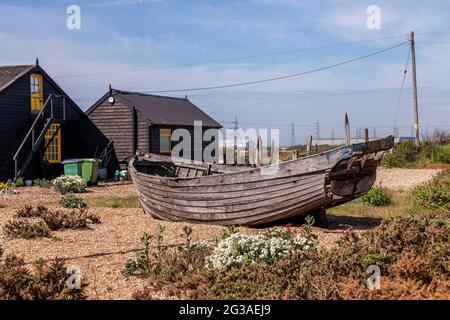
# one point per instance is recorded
(53, 151)
(37, 95)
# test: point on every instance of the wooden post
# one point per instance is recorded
(366, 134)
(309, 145)
(258, 152)
(416, 109)
(347, 130)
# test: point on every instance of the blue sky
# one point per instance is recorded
(149, 45)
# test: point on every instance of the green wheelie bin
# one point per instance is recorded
(72, 167)
(89, 170)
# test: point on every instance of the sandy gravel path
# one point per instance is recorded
(404, 179)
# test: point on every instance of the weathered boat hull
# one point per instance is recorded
(214, 195)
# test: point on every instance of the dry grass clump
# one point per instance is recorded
(31, 223)
(23, 228)
(412, 251)
(47, 281)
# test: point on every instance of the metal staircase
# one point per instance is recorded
(37, 140)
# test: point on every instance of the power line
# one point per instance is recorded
(321, 125)
(280, 77)
(228, 59)
(403, 86)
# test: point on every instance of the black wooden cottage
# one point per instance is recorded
(143, 122)
(40, 125)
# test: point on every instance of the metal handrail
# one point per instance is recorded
(32, 129)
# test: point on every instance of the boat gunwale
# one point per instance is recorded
(267, 167)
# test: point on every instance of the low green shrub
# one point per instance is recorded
(74, 184)
(403, 155)
(406, 154)
(435, 194)
(41, 183)
(19, 182)
(377, 197)
(431, 196)
(115, 205)
(71, 201)
(441, 154)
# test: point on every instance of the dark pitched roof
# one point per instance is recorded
(162, 110)
(9, 74)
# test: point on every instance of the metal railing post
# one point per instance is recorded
(64, 108)
(32, 139)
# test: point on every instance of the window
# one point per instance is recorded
(53, 151)
(165, 145)
(37, 97)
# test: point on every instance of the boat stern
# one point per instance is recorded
(355, 174)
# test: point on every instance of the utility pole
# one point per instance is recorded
(293, 142)
(317, 131)
(332, 135)
(416, 109)
(374, 132)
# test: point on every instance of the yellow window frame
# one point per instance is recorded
(53, 151)
(37, 92)
(163, 135)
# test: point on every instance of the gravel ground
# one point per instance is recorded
(46, 196)
(101, 251)
(404, 179)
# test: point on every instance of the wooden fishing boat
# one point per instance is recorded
(178, 190)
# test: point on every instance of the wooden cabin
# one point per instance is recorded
(40, 125)
(142, 122)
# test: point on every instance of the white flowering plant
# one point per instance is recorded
(74, 184)
(272, 245)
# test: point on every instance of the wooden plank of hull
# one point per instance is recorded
(244, 199)
(252, 188)
(247, 198)
(235, 206)
(232, 210)
(243, 183)
(280, 213)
